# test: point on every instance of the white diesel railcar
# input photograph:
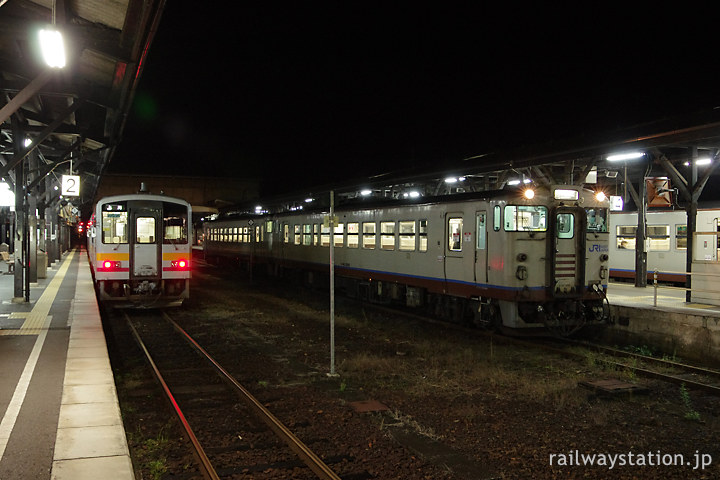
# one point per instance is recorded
(139, 248)
(518, 259)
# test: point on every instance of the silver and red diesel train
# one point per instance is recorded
(139, 248)
(518, 259)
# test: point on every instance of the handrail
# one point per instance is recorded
(656, 286)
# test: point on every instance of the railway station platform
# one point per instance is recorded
(60, 413)
(664, 322)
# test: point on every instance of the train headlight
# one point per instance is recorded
(529, 193)
(600, 196)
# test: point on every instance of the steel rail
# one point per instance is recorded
(715, 390)
(208, 471)
(308, 456)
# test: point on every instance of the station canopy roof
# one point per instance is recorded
(73, 115)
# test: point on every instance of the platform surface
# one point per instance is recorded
(60, 413)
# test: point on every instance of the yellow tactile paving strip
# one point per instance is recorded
(35, 320)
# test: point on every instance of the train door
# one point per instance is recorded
(455, 248)
(481, 255)
(146, 222)
(568, 257)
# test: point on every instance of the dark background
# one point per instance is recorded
(304, 94)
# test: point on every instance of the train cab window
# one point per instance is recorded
(659, 236)
(369, 239)
(521, 218)
(114, 226)
(145, 230)
(353, 232)
(298, 238)
(565, 225)
(497, 220)
(406, 231)
(338, 235)
(597, 220)
(681, 237)
(387, 235)
(175, 228)
(422, 236)
(625, 236)
(455, 230)
(307, 234)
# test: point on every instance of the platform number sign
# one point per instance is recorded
(70, 185)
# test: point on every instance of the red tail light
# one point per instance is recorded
(180, 264)
(110, 265)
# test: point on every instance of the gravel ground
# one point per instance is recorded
(458, 405)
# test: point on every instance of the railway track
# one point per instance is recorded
(692, 376)
(232, 438)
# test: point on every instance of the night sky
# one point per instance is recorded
(308, 93)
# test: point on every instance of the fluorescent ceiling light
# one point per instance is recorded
(365, 193)
(700, 161)
(52, 47)
(625, 156)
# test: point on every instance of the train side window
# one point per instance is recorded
(681, 237)
(298, 238)
(145, 230)
(246, 235)
(455, 226)
(369, 240)
(659, 236)
(422, 236)
(565, 225)
(353, 232)
(497, 220)
(625, 235)
(316, 237)
(286, 233)
(525, 218)
(325, 236)
(387, 235)
(257, 234)
(114, 227)
(338, 235)
(480, 235)
(406, 230)
(268, 226)
(307, 234)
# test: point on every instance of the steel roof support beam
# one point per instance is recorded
(19, 157)
(25, 94)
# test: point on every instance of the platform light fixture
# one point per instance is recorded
(365, 192)
(700, 162)
(625, 156)
(52, 47)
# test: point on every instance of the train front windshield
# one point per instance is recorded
(175, 223)
(597, 219)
